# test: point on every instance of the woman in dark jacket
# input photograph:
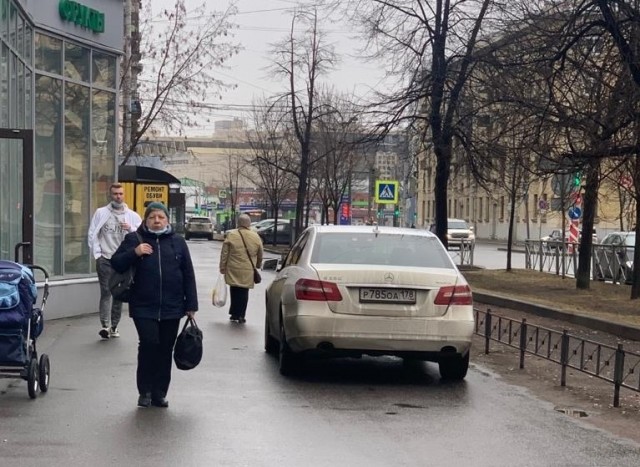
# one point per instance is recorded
(164, 290)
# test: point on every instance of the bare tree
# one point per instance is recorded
(272, 157)
(302, 60)
(337, 138)
(181, 59)
(586, 89)
(429, 46)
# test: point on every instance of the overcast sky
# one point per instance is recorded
(262, 22)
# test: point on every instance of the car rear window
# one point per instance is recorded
(199, 220)
(630, 240)
(380, 249)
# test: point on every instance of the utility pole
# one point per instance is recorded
(126, 81)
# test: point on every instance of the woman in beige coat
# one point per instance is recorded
(237, 268)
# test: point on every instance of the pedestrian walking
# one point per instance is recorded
(164, 291)
(241, 253)
(108, 227)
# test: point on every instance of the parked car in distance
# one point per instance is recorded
(348, 291)
(283, 233)
(613, 259)
(199, 227)
(554, 239)
(458, 233)
(262, 224)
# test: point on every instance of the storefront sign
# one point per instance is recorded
(81, 15)
(151, 193)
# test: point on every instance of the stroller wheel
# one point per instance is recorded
(44, 371)
(32, 378)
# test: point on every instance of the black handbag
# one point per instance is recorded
(188, 349)
(120, 283)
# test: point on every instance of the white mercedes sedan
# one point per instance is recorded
(348, 291)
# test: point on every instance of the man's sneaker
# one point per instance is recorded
(113, 332)
(104, 333)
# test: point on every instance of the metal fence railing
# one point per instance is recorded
(608, 262)
(463, 255)
(609, 363)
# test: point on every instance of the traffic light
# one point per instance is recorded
(396, 212)
(576, 180)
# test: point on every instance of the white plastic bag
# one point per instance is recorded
(219, 294)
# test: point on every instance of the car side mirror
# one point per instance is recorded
(471, 228)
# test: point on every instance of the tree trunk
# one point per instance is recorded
(583, 273)
(635, 277)
(443, 166)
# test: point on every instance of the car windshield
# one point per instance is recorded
(457, 225)
(381, 249)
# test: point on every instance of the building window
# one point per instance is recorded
(487, 214)
(480, 218)
(76, 62)
(48, 174)
(502, 209)
(48, 54)
(75, 151)
(103, 70)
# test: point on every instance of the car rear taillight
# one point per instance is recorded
(309, 289)
(454, 295)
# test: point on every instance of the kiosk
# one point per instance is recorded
(144, 185)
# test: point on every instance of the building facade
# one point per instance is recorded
(59, 69)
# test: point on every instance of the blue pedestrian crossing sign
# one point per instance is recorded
(386, 191)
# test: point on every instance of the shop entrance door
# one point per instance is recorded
(16, 195)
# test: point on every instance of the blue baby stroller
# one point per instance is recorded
(21, 322)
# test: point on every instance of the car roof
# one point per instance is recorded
(369, 228)
(622, 233)
(200, 217)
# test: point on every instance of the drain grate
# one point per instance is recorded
(575, 413)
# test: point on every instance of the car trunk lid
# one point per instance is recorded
(388, 291)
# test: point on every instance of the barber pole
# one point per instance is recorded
(574, 232)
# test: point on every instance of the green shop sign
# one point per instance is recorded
(81, 15)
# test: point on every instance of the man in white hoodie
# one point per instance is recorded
(108, 227)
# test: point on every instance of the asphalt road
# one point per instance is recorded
(236, 410)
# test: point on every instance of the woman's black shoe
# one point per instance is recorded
(144, 400)
(160, 402)
(242, 320)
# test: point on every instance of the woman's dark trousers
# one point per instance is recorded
(155, 352)
(239, 300)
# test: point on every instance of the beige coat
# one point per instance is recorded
(234, 262)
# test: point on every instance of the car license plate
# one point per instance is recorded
(377, 295)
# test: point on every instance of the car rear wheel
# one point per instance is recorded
(270, 344)
(288, 361)
(454, 368)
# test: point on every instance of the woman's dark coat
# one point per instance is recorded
(164, 284)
